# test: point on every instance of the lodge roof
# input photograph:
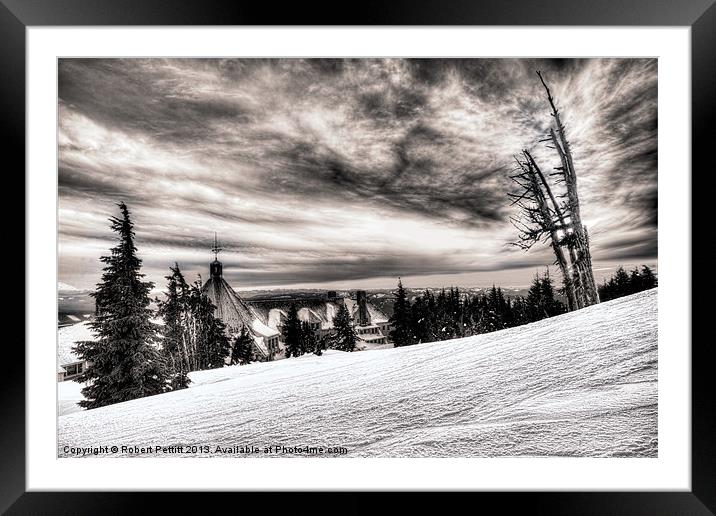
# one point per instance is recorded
(235, 313)
(66, 338)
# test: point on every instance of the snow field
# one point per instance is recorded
(581, 384)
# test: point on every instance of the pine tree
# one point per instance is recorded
(648, 278)
(211, 343)
(534, 300)
(441, 319)
(242, 351)
(501, 303)
(494, 319)
(621, 282)
(124, 362)
(309, 340)
(173, 309)
(520, 311)
(475, 315)
(402, 332)
(291, 333)
(507, 313)
(635, 281)
(321, 345)
(344, 336)
(433, 323)
(552, 305)
(457, 313)
(607, 290)
(420, 318)
(541, 301)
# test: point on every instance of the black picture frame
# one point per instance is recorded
(17, 15)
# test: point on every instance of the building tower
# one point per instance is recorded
(234, 312)
(215, 267)
(363, 318)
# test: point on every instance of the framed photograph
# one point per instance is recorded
(433, 250)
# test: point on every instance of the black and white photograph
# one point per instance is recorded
(357, 257)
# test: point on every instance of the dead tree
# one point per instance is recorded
(544, 219)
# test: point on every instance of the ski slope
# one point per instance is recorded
(581, 384)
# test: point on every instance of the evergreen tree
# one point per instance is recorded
(291, 332)
(635, 283)
(648, 278)
(425, 318)
(441, 316)
(321, 345)
(535, 302)
(451, 314)
(124, 362)
(211, 343)
(552, 306)
(621, 282)
(344, 338)
(607, 290)
(520, 311)
(243, 349)
(173, 309)
(420, 317)
(495, 303)
(475, 315)
(508, 315)
(401, 333)
(309, 340)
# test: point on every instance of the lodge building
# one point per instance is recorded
(264, 318)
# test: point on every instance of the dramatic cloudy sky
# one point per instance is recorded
(343, 173)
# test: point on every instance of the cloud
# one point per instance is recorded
(344, 169)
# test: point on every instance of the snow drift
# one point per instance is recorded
(581, 384)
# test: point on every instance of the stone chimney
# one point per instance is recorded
(363, 318)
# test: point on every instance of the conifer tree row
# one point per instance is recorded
(300, 337)
(624, 283)
(133, 357)
(451, 315)
(194, 338)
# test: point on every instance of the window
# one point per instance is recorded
(73, 369)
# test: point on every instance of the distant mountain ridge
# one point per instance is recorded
(64, 287)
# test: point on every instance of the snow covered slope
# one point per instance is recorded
(581, 384)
